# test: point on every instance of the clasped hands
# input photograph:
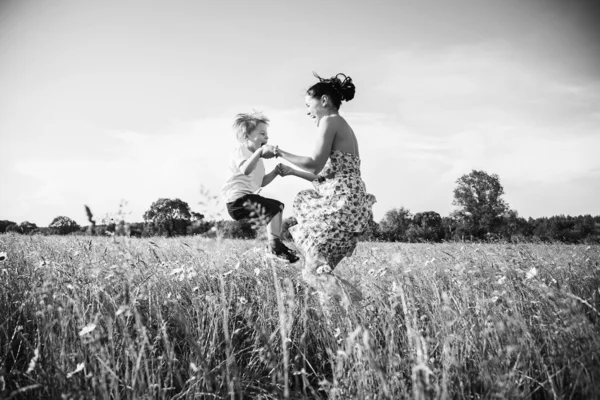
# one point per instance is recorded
(284, 170)
(269, 151)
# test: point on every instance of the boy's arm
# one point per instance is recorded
(248, 165)
(268, 178)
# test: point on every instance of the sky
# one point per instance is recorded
(115, 104)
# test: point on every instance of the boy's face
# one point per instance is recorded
(258, 137)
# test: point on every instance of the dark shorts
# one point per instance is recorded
(246, 206)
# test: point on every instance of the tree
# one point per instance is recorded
(5, 224)
(14, 228)
(479, 202)
(28, 227)
(426, 226)
(169, 216)
(63, 225)
(394, 224)
(236, 229)
(196, 216)
(514, 227)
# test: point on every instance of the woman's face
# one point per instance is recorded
(315, 108)
(258, 137)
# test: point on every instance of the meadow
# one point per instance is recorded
(195, 318)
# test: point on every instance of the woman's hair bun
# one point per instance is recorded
(346, 87)
(339, 87)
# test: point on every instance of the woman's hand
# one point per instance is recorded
(267, 151)
(284, 170)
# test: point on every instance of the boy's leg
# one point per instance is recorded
(272, 211)
(274, 228)
(277, 247)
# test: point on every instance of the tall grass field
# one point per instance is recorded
(195, 318)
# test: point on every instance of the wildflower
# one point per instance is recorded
(3, 256)
(243, 300)
(33, 362)
(122, 309)
(80, 367)
(531, 273)
(87, 329)
(501, 280)
(324, 269)
(256, 271)
(194, 367)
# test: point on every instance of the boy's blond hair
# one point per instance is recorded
(246, 123)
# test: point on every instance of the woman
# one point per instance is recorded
(333, 215)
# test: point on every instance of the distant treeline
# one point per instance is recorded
(398, 225)
(480, 214)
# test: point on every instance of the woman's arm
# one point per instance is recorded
(325, 136)
(285, 170)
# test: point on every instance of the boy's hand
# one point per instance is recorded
(267, 151)
(284, 170)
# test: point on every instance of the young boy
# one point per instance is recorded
(248, 176)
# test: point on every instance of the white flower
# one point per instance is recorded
(87, 329)
(79, 368)
(531, 273)
(323, 269)
(256, 271)
(33, 362)
(243, 300)
(122, 309)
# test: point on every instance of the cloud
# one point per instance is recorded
(488, 106)
(424, 119)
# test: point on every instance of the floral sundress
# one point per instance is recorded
(335, 213)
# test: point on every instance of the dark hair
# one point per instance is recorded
(336, 88)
